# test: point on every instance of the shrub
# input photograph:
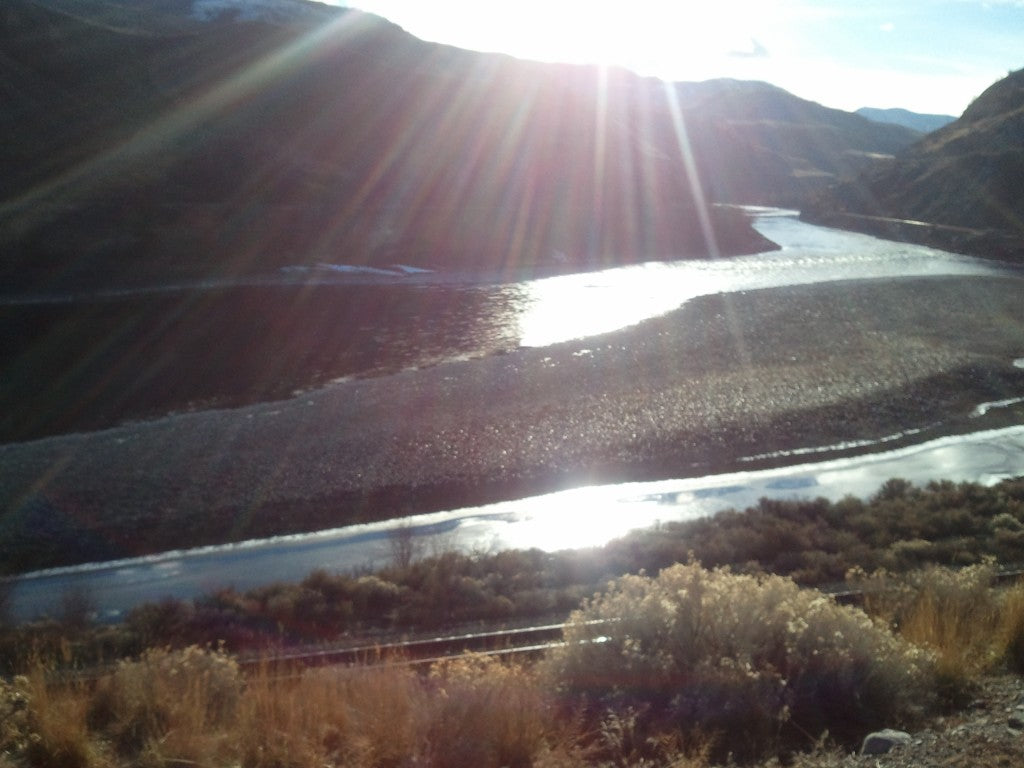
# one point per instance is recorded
(719, 652)
(14, 717)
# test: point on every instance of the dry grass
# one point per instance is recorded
(194, 708)
(1011, 626)
(366, 717)
(958, 615)
(56, 723)
(474, 711)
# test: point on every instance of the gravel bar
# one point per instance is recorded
(724, 377)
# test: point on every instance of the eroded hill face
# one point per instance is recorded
(147, 142)
(967, 174)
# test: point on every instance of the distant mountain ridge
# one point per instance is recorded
(965, 182)
(925, 123)
(165, 139)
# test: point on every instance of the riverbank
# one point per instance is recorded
(996, 244)
(725, 377)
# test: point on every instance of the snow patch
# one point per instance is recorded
(844, 446)
(349, 269)
(983, 408)
(392, 270)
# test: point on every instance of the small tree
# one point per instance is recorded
(404, 546)
(77, 608)
(6, 594)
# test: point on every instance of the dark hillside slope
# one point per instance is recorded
(144, 145)
(968, 175)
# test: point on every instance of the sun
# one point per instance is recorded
(677, 41)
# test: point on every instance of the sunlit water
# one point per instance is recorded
(567, 307)
(569, 519)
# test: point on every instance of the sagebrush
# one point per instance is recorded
(756, 659)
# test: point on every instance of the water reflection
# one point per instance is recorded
(565, 307)
(569, 519)
(576, 306)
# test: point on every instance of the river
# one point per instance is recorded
(541, 312)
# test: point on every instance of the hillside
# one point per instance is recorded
(965, 178)
(760, 144)
(167, 139)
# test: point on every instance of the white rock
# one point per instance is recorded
(880, 742)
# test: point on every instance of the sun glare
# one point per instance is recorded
(842, 53)
(575, 306)
(673, 41)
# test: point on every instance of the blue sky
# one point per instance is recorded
(923, 55)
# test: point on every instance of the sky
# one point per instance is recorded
(930, 56)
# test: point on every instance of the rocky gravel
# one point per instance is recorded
(987, 734)
(724, 377)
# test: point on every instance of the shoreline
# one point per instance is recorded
(724, 377)
(432, 523)
(995, 244)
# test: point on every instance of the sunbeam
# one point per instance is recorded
(686, 155)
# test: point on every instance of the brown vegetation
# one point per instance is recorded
(688, 668)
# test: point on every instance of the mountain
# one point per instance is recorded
(164, 139)
(913, 120)
(961, 184)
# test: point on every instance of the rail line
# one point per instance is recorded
(522, 641)
(504, 642)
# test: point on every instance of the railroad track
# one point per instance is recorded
(502, 642)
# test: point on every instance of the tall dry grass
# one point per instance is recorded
(474, 711)
(169, 707)
(1011, 627)
(970, 626)
(369, 716)
(195, 708)
(56, 731)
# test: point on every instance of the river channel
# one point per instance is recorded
(542, 312)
